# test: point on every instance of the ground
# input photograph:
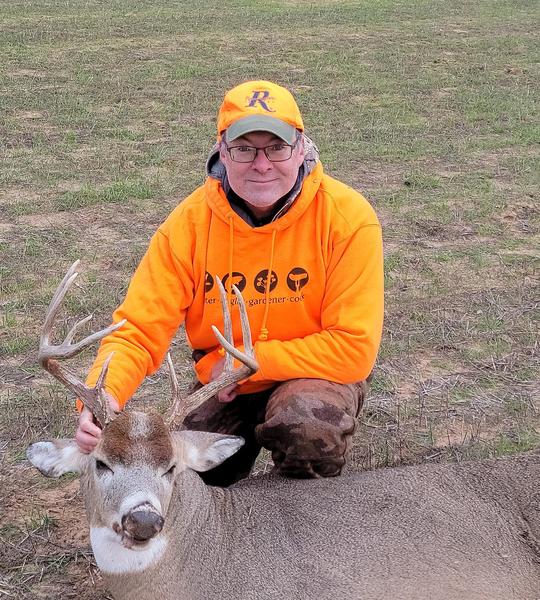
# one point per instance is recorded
(428, 108)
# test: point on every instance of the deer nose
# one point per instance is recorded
(142, 522)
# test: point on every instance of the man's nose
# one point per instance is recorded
(261, 162)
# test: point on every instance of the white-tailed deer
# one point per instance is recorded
(466, 531)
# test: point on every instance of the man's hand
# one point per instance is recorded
(229, 393)
(89, 432)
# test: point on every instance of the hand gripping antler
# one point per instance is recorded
(94, 398)
(181, 407)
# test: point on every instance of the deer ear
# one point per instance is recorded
(202, 451)
(57, 457)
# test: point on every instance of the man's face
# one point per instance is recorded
(261, 183)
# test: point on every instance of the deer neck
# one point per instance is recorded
(194, 509)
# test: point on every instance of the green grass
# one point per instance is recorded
(16, 346)
(41, 520)
(117, 192)
(520, 441)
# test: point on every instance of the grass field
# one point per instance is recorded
(429, 108)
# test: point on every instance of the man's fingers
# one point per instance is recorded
(88, 432)
(91, 429)
(228, 394)
(87, 423)
(85, 441)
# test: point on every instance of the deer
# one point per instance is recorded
(454, 531)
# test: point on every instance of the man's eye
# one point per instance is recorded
(243, 148)
(277, 147)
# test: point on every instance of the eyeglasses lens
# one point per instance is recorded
(276, 153)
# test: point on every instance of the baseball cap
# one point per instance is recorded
(259, 106)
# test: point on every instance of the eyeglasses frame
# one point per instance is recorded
(264, 149)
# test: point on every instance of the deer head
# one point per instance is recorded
(128, 480)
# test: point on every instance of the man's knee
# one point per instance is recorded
(316, 446)
(309, 427)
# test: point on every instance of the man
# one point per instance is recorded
(305, 251)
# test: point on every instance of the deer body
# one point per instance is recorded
(427, 532)
(433, 532)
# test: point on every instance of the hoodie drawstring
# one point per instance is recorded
(221, 350)
(231, 251)
(263, 335)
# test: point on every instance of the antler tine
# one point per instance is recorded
(73, 330)
(181, 407)
(94, 398)
(246, 330)
(56, 301)
(102, 395)
(248, 356)
(176, 399)
(227, 322)
(66, 349)
(243, 357)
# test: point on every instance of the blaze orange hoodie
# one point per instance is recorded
(320, 317)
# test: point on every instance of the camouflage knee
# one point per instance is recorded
(309, 426)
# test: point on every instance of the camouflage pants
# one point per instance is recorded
(307, 424)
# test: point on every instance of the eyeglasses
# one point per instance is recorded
(274, 153)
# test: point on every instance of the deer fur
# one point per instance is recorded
(468, 531)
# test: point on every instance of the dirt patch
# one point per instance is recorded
(30, 115)
(45, 220)
(521, 252)
(14, 375)
(367, 175)
(39, 493)
(44, 545)
(522, 216)
(16, 195)
(69, 186)
(28, 73)
(438, 234)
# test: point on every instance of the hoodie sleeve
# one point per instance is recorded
(155, 306)
(351, 320)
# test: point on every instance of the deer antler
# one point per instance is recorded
(94, 398)
(181, 407)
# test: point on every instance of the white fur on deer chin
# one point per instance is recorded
(113, 557)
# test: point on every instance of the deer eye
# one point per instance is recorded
(102, 467)
(168, 474)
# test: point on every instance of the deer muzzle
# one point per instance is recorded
(142, 523)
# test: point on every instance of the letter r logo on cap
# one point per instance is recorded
(260, 97)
